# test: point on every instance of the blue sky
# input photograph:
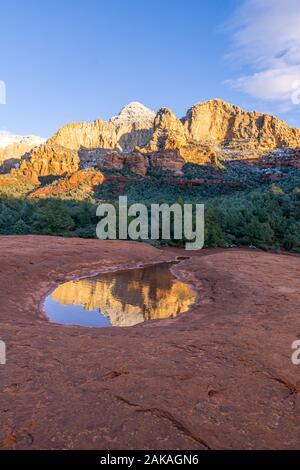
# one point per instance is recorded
(75, 60)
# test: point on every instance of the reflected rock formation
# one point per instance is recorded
(129, 297)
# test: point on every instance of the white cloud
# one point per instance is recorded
(266, 38)
(277, 84)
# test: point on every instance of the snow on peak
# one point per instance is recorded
(7, 138)
(133, 112)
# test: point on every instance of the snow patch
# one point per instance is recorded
(133, 112)
(7, 138)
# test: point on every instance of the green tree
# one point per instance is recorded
(53, 218)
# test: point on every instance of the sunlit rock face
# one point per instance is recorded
(13, 147)
(48, 160)
(219, 121)
(209, 133)
(130, 297)
(85, 180)
(209, 127)
(132, 127)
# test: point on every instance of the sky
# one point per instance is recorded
(79, 60)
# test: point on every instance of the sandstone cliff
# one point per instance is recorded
(48, 160)
(210, 129)
(170, 133)
(13, 147)
(131, 128)
(220, 122)
(209, 133)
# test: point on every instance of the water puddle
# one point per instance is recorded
(122, 298)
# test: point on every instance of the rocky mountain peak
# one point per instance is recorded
(210, 131)
(164, 114)
(212, 106)
(134, 112)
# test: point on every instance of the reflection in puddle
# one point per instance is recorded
(123, 298)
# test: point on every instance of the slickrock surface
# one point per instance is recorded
(217, 377)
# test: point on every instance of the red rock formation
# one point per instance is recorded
(137, 163)
(207, 127)
(289, 158)
(13, 147)
(48, 160)
(89, 178)
(111, 160)
(167, 160)
(210, 131)
(218, 121)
